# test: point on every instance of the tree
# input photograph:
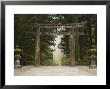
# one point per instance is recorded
(24, 34)
(85, 41)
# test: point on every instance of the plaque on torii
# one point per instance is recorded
(76, 30)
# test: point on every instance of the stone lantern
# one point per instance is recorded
(17, 61)
(93, 51)
(93, 59)
(17, 57)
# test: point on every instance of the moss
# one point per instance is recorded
(93, 49)
(18, 50)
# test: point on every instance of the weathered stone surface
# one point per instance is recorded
(93, 61)
(17, 61)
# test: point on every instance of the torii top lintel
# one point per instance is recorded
(72, 25)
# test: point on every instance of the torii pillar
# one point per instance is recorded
(37, 46)
(72, 47)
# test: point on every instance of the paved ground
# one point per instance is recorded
(55, 71)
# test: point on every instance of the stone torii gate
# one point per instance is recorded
(76, 30)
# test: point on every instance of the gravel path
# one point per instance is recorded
(55, 71)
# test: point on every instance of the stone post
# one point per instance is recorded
(17, 61)
(93, 59)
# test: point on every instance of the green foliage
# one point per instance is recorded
(24, 35)
(17, 50)
(93, 49)
(46, 57)
(65, 60)
(64, 45)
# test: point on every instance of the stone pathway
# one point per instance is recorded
(55, 71)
